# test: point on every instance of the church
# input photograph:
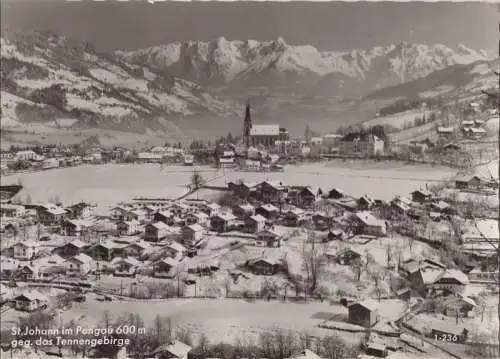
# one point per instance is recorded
(261, 135)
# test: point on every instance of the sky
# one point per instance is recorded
(334, 26)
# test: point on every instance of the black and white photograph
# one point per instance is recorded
(249, 180)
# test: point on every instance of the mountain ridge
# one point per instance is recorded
(223, 61)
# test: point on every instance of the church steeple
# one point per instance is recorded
(247, 125)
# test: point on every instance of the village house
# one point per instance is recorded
(367, 224)
(442, 207)
(79, 265)
(200, 218)
(223, 222)
(121, 214)
(163, 216)
(245, 189)
(79, 210)
(165, 268)
(27, 155)
(421, 196)
(321, 221)
(458, 305)
(135, 249)
(12, 210)
(173, 350)
(263, 266)
(27, 272)
(365, 203)
(363, 144)
(24, 250)
(307, 196)
(242, 211)
(30, 301)
(295, 217)
(421, 277)
(445, 132)
(192, 234)
(140, 215)
(102, 251)
(175, 250)
(335, 193)
(211, 209)
(128, 228)
(451, 280)
(75, 227)
(268, 211)
(254, 224)
(364, 313)
(51, 266)
(51, 214)
(72, 248)
(125, 267)
(272, 191)
(156, 232)
(269, 238)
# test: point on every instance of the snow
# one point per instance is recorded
(106, 76)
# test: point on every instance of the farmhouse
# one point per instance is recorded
(51, 214)
(370, 225)
(268, 211)
(336, 235)
(163, 216)
(27, 272)
(128, 228)
(25, 250)
(421, 196)
(165, 268)
(272, 191)
(211, 209)
(175, 250)
(307, 196)
(295, 217)
(135, 249)
(242, 211)
(364, 144)
(79, 210)
(365, 202)
(364, 313)
(102, 251)
(223, 222)
(269, 238)
(174, 350)
(30, 301)
(80, 264)
(255, 223)
(445, 132)
(72, 248)
(451, 280)
(263, 266)
(347, 257)
(458, 305)
(156, 232)
(335, 193)
(200, 218)
(192, 234)
(12, 210)
(75, 227)
(125, 267)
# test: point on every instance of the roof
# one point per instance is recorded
(258, 218)
(442, 129)
(77, 243)
(82, 258)
(177, 349)
(32, 295)
(160, 225)
(195, 227)
(213, 205)
(169, 261)
(28, 243)
(265, 130)
(356, 136)
(246, 207)
(176, 246)
(367, 303)
(423, 192)
(454, 274)
(269, 207)
(368, 219)
(488, 228)
(226, 216)
(129, 260)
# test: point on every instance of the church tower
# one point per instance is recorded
(247, 125)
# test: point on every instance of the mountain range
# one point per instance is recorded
(46, 78)
(269, 63)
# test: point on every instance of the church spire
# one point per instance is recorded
(247, 125)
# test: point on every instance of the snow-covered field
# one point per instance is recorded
(398, 120)
(111, 183)
(220, 319)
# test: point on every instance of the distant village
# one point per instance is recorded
(151, 248)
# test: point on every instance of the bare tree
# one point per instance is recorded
(197, 181)
(313, 260)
